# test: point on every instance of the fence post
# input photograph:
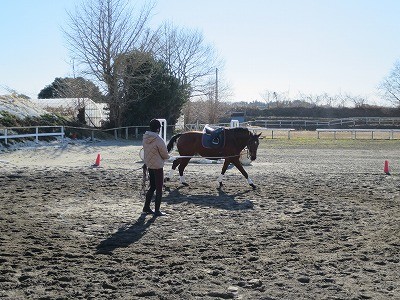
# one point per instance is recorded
(92, 135)
(126, 133)
(115, 134)
(137, 132)
(37, 136)
(5, 133)
(62, 134)
(272, 134)
(288, 134)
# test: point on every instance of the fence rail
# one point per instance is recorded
(354, 132)
(10, 132)
(135, 132)
(326, 123)
(7, 133)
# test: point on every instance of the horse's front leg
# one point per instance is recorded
(224, 168)
(239, 166)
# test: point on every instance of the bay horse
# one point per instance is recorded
(235, 140)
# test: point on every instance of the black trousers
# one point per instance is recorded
(156, 185)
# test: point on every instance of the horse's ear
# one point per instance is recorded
(259, 134)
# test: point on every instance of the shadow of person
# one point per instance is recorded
(125, 235)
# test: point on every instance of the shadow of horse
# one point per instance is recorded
(222, 201)
(125, 235)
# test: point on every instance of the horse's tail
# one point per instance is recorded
(172, 141)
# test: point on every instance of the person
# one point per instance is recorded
(155, 153)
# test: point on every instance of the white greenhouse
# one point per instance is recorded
(95, 113)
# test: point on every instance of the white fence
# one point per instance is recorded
(10, 132)
(305, 123)
(133, 131)
(354, 132)
(60, 131)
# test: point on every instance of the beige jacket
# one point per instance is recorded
(155, 150)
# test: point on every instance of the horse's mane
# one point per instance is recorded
(240, 130)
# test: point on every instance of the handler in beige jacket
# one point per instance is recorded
(155, 153)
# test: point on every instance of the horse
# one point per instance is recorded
(234, 141)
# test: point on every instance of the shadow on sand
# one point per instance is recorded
(131, 233)
(126, 235)
(222, 201)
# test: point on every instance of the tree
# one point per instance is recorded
(390, 85)
(275, 99)
(71, 88)
(187, 56)
(150, 91)
(98, 33)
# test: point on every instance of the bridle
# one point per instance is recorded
(247, 146)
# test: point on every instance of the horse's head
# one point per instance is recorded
(252, 145)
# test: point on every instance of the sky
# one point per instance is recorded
(287, 46)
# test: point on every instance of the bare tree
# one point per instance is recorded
(205, 111)
(275, 99)
(99, 32)
(187, 56)
(195, 63)
(358, 101)
(390, 85)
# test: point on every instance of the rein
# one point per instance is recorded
(196, 156)
(144, 178)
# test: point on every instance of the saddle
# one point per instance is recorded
(213, 138)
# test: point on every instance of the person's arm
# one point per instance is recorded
(162, 149)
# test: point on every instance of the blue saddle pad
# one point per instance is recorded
(213, 138)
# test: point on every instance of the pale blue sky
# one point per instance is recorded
(308, 46)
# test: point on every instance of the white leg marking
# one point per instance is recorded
(220, 177)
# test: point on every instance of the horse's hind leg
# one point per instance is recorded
(224, 168)
(181, 168)
(175, 163)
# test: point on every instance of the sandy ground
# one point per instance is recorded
(323, 223)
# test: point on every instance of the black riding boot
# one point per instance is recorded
(146, 207)
(157, 211)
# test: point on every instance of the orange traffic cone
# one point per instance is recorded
(386, 168)
(97, 163)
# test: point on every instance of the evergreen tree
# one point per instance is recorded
(150, 91)
(71, 88)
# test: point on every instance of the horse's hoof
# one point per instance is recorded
(220, 184)
(253, 186)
